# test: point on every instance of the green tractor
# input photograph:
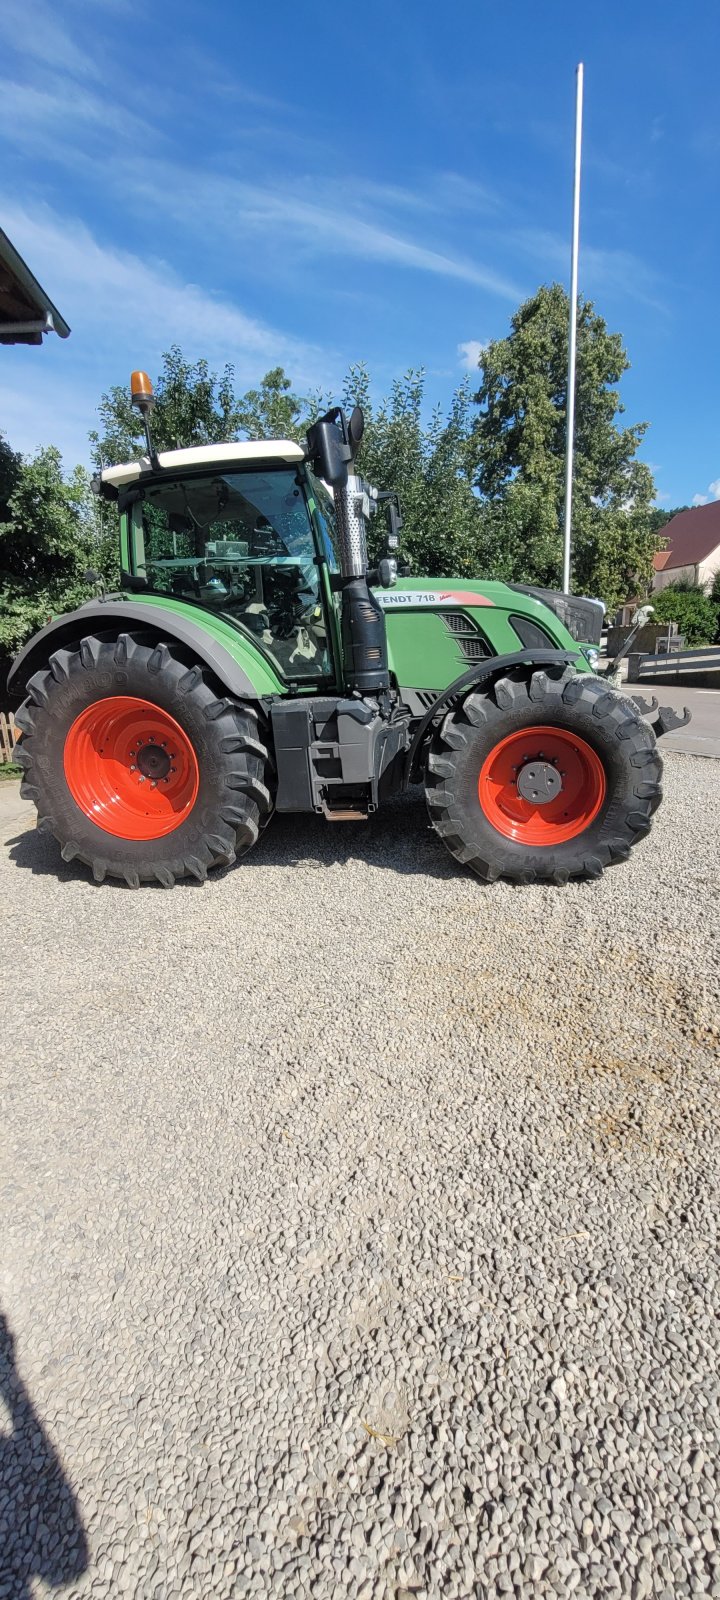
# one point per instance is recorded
(252, 663)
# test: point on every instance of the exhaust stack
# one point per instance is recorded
(333, 444)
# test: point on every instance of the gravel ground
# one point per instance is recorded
(359, 1222)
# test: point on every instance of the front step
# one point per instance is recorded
(348, 814)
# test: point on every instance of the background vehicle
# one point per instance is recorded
(251, 663)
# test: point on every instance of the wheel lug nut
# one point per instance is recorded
(133, 769)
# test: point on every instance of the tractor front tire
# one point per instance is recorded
(138, 766)
(543, 776)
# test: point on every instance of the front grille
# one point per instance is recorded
(582, 616)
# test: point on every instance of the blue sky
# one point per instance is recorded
(312, 185)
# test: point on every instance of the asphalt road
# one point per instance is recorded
(701, 737)
(359, 1222)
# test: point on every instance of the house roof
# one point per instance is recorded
(661, 558)
(26, 312)
(691, 536)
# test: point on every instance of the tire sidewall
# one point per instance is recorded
(601, 735)
(90, 686)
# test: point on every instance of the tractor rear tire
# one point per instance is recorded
(138, 766)
(543, 776)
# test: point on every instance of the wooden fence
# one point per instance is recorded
(7, 736)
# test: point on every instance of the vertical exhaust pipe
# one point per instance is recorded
(333, 444)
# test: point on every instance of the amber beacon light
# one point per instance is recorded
(141, 391)
(141, 394)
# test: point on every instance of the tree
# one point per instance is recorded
(427, 464)
(274, 411)
(518, 450)
(193, 406)
(696, 614)
(47, 539)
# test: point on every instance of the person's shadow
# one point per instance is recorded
(41, 1532)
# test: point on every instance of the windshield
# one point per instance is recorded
(242, 544)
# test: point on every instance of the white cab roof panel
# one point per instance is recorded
(208, 455)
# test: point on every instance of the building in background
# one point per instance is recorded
(26, 312)
(692, 551)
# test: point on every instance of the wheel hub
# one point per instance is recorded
(153, 761)
(131, 768)
(539, 782)
(542, 785)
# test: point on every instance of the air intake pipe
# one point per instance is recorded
(333, 443)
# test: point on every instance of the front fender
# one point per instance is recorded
(246, 680)
(491, 667)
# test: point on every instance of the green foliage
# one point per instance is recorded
(193, 406)
(695, 613)
(518, 449)
(274, 411)
(47, 540)
(427, 465)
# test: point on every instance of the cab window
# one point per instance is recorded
(241, 544)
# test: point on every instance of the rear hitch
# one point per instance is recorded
(661, 718)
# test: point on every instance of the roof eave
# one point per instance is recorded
(39, 301)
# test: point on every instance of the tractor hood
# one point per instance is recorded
(581, 617)
(437, 593)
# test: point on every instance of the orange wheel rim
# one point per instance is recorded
(131, 768)
(542, 786)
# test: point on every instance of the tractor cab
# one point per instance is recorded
(251, 541)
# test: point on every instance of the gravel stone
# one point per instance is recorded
(359, 1221)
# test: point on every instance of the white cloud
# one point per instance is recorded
(470, 352)
(606, 269)
(33, 116)
(103, 290)
(41, 408)
(124, 311)
(32, 29)
(282, 214)
(712, 494)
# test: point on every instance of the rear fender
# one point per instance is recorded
(124, 616)
(484, 672)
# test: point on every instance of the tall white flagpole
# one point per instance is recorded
(572, 340)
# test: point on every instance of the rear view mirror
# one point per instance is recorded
(329, 449)
(356, 429)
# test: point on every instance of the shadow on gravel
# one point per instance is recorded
(398, 838)
(41, 1533)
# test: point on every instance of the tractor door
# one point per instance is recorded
(252, 546)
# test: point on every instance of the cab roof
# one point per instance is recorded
(206, 455)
